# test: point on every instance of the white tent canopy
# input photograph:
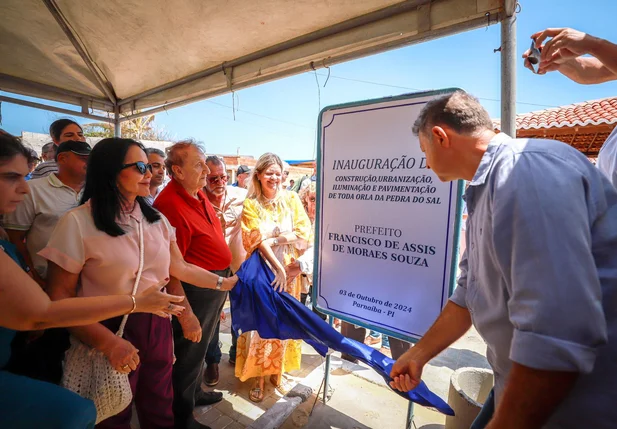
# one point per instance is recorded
(123, 56)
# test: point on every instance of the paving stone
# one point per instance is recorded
(210, 416)
(222, 422)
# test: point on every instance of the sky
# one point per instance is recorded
(281, 116)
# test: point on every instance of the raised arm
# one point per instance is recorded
(585, 70)
(24, 306)
(564, 53)
(122, 355)
(189, 273)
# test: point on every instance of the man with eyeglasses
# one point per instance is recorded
(228, 202)
(156, 158)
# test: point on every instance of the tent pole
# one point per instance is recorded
(101, 80)
(52, 108)
(117, 125)
(508, 75)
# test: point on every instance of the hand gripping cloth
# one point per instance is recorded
(256, 306)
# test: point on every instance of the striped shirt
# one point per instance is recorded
(44, 169)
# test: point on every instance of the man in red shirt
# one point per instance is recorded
(201, 241)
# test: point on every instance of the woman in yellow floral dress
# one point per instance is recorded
(275, 224)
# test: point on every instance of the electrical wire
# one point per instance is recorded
(419, 89)
(261, 116)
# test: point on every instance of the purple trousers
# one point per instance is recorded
(151, 381)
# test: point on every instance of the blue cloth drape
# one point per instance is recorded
(256, 306)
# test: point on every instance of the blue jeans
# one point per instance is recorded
(27, 403)
(214, 354)
(486, 413)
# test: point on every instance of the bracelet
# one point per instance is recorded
(219, 283)
(134, 304)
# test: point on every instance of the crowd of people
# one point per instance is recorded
(93, 234)
(88, 217)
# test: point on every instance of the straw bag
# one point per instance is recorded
(88, 372)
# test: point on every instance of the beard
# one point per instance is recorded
(218, 191)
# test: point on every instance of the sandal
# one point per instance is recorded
(256, 394)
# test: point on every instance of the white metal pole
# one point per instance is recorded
(327, 369)
(508, 75)
(117, 125)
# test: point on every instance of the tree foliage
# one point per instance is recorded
(143, 128)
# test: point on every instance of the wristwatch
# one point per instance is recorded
(219, 283)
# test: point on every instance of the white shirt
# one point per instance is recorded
(231, 223)
(607, 159)
(108, 265)
(150, 198)
(39, 213)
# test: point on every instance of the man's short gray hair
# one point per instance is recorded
(155, 151)
(48, 147)
(216, 161)
(460, 111)
(176, 153)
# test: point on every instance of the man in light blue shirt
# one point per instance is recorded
(539, 276)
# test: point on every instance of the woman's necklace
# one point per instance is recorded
(267, 200)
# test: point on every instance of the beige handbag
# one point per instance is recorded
(88, 372)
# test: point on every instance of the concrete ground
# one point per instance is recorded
(362, 400)
(358, 397)
(236, 410)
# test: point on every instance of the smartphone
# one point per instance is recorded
(534, 56)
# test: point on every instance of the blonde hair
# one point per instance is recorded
(176, 154)
(263, 163)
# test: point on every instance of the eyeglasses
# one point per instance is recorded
(223, 178)
(142, 167)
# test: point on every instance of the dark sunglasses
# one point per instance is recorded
(215, 179)
(142, 167)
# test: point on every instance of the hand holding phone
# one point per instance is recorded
(532, 57)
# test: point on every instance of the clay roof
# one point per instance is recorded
(595, 112)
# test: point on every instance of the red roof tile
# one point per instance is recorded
(596, 112)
